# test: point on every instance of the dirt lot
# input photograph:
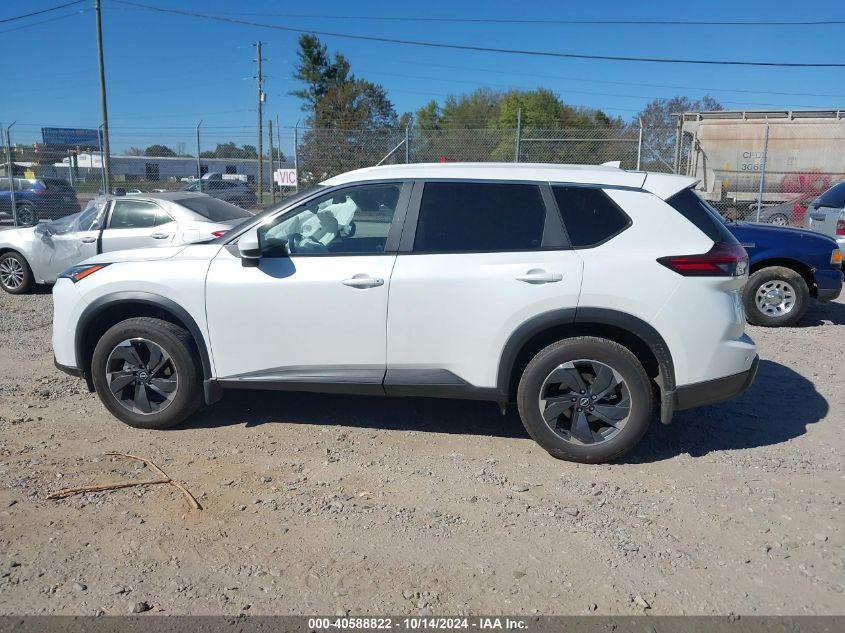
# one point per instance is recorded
(332, 504)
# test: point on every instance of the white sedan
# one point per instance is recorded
(39, 254)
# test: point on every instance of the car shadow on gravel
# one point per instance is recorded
(431, 415)
(822, 314)
(763, 416)
(778, 407)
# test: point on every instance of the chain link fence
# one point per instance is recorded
(743, 164)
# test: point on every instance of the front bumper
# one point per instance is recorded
(828, 284)
(75, 372)
(713, 391)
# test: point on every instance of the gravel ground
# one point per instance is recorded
(333, 504)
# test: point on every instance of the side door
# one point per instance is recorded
(137, 224)
(314, 308)
(476, 261)
(79, 242)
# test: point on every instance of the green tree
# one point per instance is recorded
(352, 121)
(317, 71)
(355, 105)
(660, 127)
(159, 151)
(231, 150)
(482, 126)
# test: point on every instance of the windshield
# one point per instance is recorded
(833, 197)
(62, 225)
(213, 209)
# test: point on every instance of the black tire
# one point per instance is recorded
(15, 274)
(175, 342)
(778, 219)
(772, 279)
(26, 214)
(603, 352)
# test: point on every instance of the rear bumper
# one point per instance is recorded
(713, 391)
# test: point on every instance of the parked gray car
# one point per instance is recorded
(233, 191)
(789, 213)
(826, 214)
(38, 254)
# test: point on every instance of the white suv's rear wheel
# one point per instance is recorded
(585, 399)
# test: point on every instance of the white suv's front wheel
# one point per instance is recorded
(585, 399)
(145, 372)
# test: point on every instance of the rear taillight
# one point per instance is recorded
(723, 260)
(840, 227)
(218, 233)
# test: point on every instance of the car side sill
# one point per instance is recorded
(396, 382)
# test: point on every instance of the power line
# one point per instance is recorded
(29, 15)
(600, 81)
(485, 49)
(53, 19)
(551, 21)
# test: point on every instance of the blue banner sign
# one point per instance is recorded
(69, 136)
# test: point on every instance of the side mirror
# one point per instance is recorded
(119, 191)
(249, 248)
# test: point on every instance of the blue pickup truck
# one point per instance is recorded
(788, 268)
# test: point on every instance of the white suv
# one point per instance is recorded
(583, 294)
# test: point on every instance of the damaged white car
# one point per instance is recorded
(39, 254)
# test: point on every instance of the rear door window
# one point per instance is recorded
(460, 217)
(690, 205)
(214, 209)
(590, 217)
(136, 214)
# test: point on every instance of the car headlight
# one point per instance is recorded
(81, 271)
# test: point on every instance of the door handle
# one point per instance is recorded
(363, 281)
(817, 216)
(160, 236)
(539, 276)
(88, 240)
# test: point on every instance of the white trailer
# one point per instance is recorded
(788, 152)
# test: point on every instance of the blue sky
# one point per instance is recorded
(166, 72)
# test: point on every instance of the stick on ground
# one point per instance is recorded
(165, 479)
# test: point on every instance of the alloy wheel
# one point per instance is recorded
(779, 220)
(11, 273)
(141, 376)
(775, 298)
(25, 215)
(585, 402)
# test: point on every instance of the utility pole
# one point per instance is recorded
(105, 112)
(270, 146)
(260, 79)
(518, 135)
(199, 165)
(279, 141)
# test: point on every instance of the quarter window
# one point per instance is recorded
(465, 217)
(137, 214)
(355, 220)
(589, 215)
